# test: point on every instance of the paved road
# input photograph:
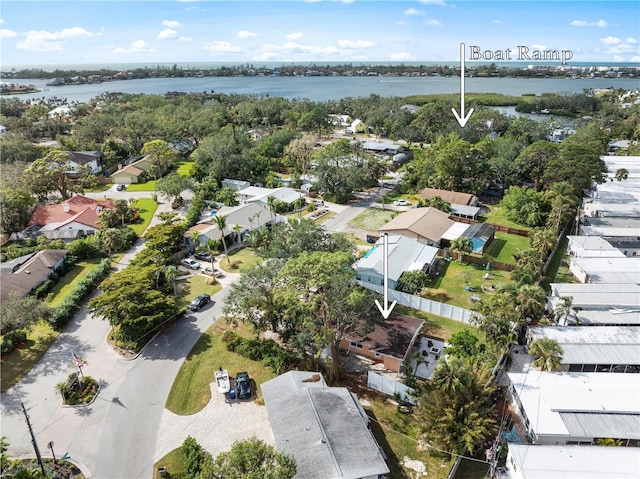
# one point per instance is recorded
(111, 440)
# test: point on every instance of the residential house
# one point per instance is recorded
(427, 225)
(235, 184)
(577, 408)
(600, 349)
(452, 197)
(249, 217)
(606, 270)
(404, 254)
(358, 126)
(77, 213)
(381, 148)
(24, 274)
(93, 160)
(592, 247)
(598, 296)
(324, 428)
(389, 343)
(35, 230)
(527, 461)
(132, 170)
(284, 195)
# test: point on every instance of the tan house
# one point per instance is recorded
(453, 197)
(127, 175)
(24, 274)
(390, 343)
(427, 225)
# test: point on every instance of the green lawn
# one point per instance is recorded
(147, 210)
(325, 217)
(147, 186)
(197, 286)
(450, 286)
(372, 219)
(504, 245)
(558, 271)
(243, 257)
(100, 188)
(437, 326)
(184, 167)
(397, 434)
(20, 361)
(496, 216)
(191, 391)
(66, 283)
(395, 195)
(172, 462)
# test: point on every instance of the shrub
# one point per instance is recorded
(193, 456)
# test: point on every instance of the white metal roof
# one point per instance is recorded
(573, 462)
(545, 395)
(630, 316)
(610, 231)
(610, 270)
(455, 231)
(597, 295)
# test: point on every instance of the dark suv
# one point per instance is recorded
(243, 385)
(199, 302)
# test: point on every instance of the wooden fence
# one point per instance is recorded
(492, 263)
(501, 228)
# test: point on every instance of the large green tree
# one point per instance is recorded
(51, 174)
(547, 354)
(173, 185)
(16, 206)
(20, 312)
(318, 292)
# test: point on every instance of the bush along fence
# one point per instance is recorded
(492, 263)
(82, 289)
(416, 302)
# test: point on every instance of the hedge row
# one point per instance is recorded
(269, 352)
(12, 339)
(82, 289)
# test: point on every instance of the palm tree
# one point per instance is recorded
(236, 229)
(221, 222)
(622, 174)
(461, 245)
(530, 300)
(211, 247)
(563, 309)
(543, 240)
(271, 204)
(171, 271)
(195, 237)
(547, 353)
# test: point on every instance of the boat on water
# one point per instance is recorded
(222, 381)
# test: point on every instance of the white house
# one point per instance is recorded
(93, 160)
(606, 270)
(526, 461)
(577, 408)
(404, 254)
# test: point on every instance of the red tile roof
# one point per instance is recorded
(81, 209)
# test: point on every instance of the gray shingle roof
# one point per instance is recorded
(324, 428)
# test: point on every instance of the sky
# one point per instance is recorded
(173, 31)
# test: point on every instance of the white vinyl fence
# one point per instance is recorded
(423, 304)
(389, 387)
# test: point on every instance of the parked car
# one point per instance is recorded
(121, 187)
(211, 272)
(243, 385)
(201, 255)
(401, 203)
(199, 302)
(190, 263)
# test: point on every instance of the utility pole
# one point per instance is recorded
(33, 440)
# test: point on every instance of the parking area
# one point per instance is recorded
(222, 422)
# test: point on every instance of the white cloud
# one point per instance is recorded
(221, 47)
(294, 36)
(356, 44)
(618, 58)
(167, 34)
(622, 48)
(631, 40)
(171, 24)
(6, 33)
(538, 47)
(44, 41)
(635, 58)
(413, 11)
(432, 2)
(185, 39)
(610, 40)
(246, 34)
(1, 21)
(139, 46)
(401, 23)
(433, 23)
(400, 56)
(584, 23)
